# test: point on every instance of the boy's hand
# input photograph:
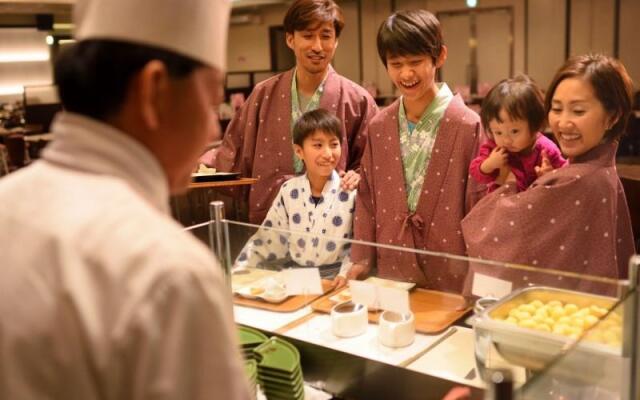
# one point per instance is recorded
(496, 159)
(545, 165)
(350, 180)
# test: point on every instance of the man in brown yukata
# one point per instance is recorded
(258, 141)
(415, 188)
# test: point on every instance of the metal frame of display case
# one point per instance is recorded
(353, 377)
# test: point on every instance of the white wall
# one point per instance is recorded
(25, 44)
(592, 26)
(546, 49)
(629, 40)
(373, 13)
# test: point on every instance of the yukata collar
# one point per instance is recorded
(443, 96)
(603, 154)
(333, 182)
(315, 98)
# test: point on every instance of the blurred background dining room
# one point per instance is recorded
(488, 40)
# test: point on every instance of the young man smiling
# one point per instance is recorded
(258, 140)
(415, 189)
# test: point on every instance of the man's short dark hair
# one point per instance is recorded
(93, 76)
(316, 120)
(410, 33)
(520, 98)
(304, 14)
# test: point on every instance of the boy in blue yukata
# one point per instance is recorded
(312, 203)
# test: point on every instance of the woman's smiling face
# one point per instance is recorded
(577, 118)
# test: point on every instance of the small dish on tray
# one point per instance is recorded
(268, 289)
(341, 297)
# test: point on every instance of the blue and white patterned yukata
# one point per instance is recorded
(295, 210)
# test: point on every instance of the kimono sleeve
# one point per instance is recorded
(267, 244)
(358, 138)
(474, 168)
(561, 222)
(475, 190)
(555, 157)
(180, 341)
(364, 224)
(237, 150)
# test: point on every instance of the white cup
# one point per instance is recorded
(349, 319)
(396, 329)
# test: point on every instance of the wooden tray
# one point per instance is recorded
(293, 303)
(434, 311)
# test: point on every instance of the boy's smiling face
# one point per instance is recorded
(320, 152)
(414, 75)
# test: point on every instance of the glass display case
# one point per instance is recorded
(561, 334)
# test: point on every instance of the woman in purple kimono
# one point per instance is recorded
(574, 219)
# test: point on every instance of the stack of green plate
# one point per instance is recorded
(251, 369)
(279, 370)
(249, 340)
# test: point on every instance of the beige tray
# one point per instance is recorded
(293, 303)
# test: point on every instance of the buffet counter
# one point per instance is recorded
(362, 368)
(568, 335)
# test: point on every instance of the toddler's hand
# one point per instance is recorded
(545, 165)
(496, 159)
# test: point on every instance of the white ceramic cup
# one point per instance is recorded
(349, 319)
(396, 329)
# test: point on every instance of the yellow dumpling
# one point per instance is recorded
(598, 311)
(590, 320)
(560, 329)
(537, 303)
(527, 308)
(542, 312)
(557, 312)
(527, 323)
(583, 312)
(577, 323)
(570, 308)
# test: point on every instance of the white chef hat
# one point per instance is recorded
(194, 28)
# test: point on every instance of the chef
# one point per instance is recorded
(102, 294)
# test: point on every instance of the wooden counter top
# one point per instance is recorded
(219, 184)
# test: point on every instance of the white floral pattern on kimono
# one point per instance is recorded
(329, 221)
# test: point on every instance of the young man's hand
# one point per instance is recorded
(350, 180)
(338, 282)
(545, 165)
(357, 271)
(496, 159)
